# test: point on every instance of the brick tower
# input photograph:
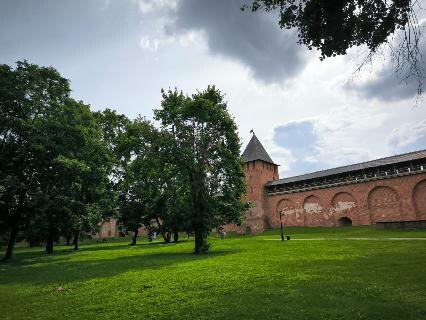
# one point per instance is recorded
(259, 169)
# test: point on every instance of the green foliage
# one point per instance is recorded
(141, 175)
(64, 169)
(205, 149)
(245, 277)
(333, 27)
(29, 95)
(77, 183)
(54, 165)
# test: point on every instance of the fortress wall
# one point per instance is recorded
(394, 199)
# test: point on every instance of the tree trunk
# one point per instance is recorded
(135, 237)
(201, 244)
(11, 244)
(167, 236)
(49, 243)
(68, 237)
(33, 243)
(76, 240)
(175, 236)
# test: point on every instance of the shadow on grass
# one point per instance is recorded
(39, 270)
(24, 255)
(125, 245)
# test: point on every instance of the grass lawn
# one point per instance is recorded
(247, 277)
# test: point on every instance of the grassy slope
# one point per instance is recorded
(243, 278)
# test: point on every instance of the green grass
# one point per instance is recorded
(247, 277)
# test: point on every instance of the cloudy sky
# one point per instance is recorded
(310, 115)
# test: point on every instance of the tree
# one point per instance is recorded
(54, 165)
(334, 26)
(154, 196)
(138, 188)
(28, 94)
(76, 185)
(206, 150)
(115, 136)
(172, 205)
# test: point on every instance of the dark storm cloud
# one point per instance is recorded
(387, 87)
(254, 39)
(52, 30)
(390, 85)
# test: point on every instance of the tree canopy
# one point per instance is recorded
(54, 165)
(28, 96)
(206, 149)
(65, 169)
(334, 26)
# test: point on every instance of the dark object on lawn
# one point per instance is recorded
(288, 237)
(406, 225)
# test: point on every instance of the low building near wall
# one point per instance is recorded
(109, 229)
(384, 190)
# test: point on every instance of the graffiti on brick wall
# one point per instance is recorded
(312, 208)
(290, 214)
(343, 206)
(343, 203)
(315, 213)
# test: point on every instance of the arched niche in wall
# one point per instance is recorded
(315, 213)
(290, 215)
(343, 204)
(384, 204)
(419, 199)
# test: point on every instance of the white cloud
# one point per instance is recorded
(408, 134)
(185, 40)
(149, 44)
(340, 137)
(147, 6)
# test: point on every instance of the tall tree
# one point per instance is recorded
(206, 149)
(115, 136)
(78, 181)
(140, 176)
(28, 94)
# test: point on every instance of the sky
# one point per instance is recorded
(309, 114)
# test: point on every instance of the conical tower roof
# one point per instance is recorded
(255, 151)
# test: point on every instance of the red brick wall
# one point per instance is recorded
(394, 199)
(258, 173)
(108, 229)
(419, 199)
